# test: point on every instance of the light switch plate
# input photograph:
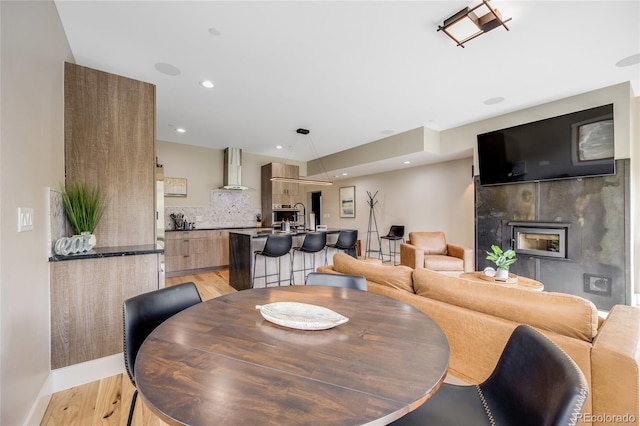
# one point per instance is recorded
(25, 219)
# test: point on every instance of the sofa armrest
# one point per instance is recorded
(466, 254)
(615, 365)
(411, 256)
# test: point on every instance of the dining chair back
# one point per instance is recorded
(357, 282)
(534, 383)
(143, 313)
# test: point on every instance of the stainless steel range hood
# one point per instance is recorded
(232, 179)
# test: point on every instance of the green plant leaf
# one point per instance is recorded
(84, 207)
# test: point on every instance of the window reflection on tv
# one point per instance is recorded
(574, 145)
(593, 139)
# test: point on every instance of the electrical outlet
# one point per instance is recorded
(25, 219)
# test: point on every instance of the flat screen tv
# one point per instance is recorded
(568, 146)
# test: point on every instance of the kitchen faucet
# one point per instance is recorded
(304, 215)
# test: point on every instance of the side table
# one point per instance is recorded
(513, 281)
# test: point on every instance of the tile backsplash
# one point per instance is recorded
(227, 209)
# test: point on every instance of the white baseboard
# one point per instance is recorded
(86, 372)
(73, 375)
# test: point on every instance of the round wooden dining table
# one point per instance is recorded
(221, 363)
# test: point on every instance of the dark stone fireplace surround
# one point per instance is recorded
(594, 214)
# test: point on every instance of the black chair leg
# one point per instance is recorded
(133, 406)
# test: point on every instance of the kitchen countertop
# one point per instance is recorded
(220, 228)
(264, 232)
(99, 252)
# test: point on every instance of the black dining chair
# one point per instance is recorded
(534, 383)
(143, 313)
(313, 243)
(357, 282)
(276, 246)
(347, 241)
(396, 233)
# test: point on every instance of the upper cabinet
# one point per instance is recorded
(279, 193)
(110, 142)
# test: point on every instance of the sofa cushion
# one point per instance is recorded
(430, 242)
(393, 276)
(439, 262)
(564, 314)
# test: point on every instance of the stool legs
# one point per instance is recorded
(266, 275)
(304, 263)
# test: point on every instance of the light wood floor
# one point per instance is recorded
(107, 401)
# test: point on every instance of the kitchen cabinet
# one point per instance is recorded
(281, 193)
(188, 251)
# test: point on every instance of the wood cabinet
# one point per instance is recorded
(86, 304)
(282, 193)
(187, 251)
(109, 139)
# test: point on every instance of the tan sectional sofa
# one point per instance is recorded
(478, 319)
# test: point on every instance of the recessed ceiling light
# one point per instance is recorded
(214, 32)
(279, 147)
(180, 130)
(406, 162)
(345, 173)
(493, 101)
(167, 69)
(629, 60)
(207, 84)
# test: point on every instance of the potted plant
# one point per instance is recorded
(84, 207)
(503, 259)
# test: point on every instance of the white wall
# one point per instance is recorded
(34, 48)
(635, 198)
(436, 197)
(203, 168)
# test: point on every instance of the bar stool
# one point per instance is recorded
(347, 240)
(313, 243)
(395, 234)
(276, 247)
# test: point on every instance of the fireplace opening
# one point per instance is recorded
(540, 239)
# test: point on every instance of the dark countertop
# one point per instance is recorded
(264, 232)
(217, 228)
(99, 252)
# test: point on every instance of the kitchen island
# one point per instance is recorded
(243, 244)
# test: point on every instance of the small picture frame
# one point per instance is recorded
(597, 284)
(175, 187)
(348, 201)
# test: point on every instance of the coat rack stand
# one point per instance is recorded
(372, 228)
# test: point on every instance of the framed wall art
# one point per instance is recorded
(348, 201)
(175, 187)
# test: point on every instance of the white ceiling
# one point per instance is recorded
(349, 71)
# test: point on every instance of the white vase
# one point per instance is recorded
(89, 240)
(502, 274)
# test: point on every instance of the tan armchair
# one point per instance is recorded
(430, 250)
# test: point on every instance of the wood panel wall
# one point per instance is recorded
(110, 142)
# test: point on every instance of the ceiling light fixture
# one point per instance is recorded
(180, 130)
(207, 84)
(303, 181)
(470, 23)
